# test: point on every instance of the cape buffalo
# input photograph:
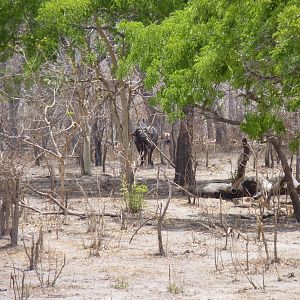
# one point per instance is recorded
(145, 138)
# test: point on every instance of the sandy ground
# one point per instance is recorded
(114, 258)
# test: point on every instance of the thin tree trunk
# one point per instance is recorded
(288, 176)
(62, 173)
(2, 220)
(86, 154)
(15, 216)
(121, 121)
(127, 159)
(173, 146)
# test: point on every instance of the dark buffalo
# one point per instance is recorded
(145, 138)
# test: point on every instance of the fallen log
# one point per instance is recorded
(248, 187)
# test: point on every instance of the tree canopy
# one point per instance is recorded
(252, 45)
(42, 24)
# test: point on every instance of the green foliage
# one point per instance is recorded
(184, 48)
(16, 16)
(146, 11)
(294, 145)
(258, 123)
(42, 27)
(70, 113)
(293, 104)
(252, 45)
(61, 21)
(121, 284)
(134, 196)
(175, 289)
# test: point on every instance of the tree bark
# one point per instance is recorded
(298, 163)
(276, 142)
(86, 153)
(14, 232)
(98, 133)
(184, 174)
(269, 159)
(173, 146)
(242, 163)
(98, 151)
(62, 177)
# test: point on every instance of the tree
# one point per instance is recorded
(184, 173)
(85, 31)
(11, 196)
(253, 46)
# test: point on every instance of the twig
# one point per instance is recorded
(175, 184)
(59, 272)
(249, 278)
(142, 225)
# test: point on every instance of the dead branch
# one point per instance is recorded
(142, 225)
(248, 278)
(57, 273)
(64, 209)
(160, 220)
(160, 152)
(177, 185)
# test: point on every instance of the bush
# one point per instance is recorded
(134, 196)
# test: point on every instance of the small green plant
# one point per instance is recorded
(232, 176)
(120, 284)
(134, 196)
(175, 287)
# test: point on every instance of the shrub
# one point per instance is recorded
(134, 196)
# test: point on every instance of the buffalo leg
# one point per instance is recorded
(150, 161)
(142, 158)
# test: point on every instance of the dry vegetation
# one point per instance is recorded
(215, 249)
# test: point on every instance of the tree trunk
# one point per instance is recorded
(184, 174)
(209, 126)
(62, 174)
(288, 176)
(13, 112)
(298, 163)
(127, 168)
(104, 156)
(98, 133)
(3, 218)
(86, 148)
(221, 132)
(98, 151)
(86, 155)
(120, 119)
(242, 163)
(14, 232)
(173, 146)
(10, 193)
(269, 159)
